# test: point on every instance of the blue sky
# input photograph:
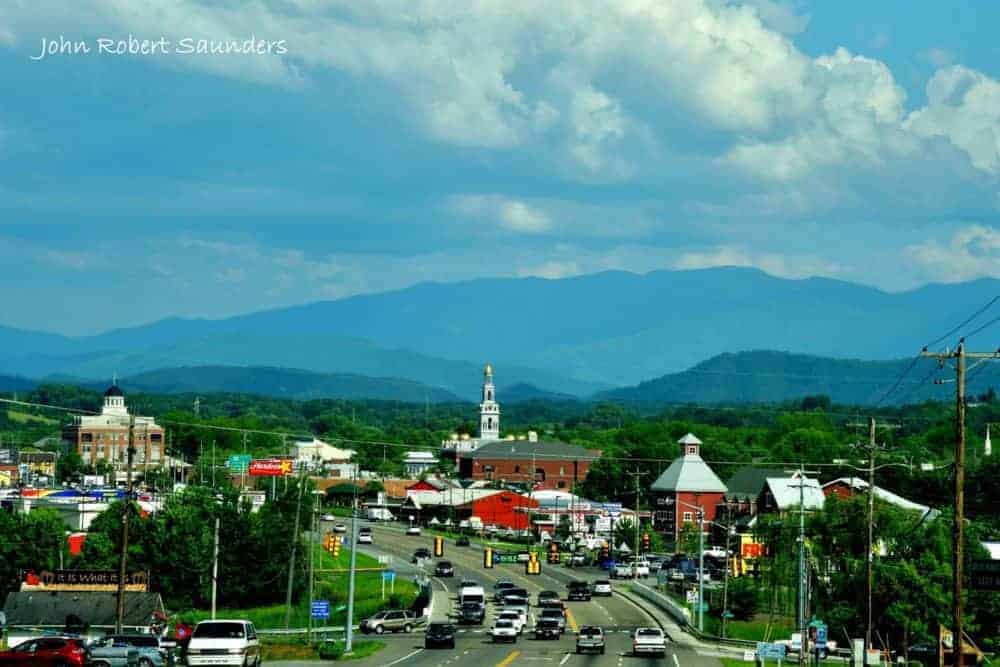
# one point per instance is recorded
(397, 142)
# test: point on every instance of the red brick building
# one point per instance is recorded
(687, 487)
(104, 437)
(536, 464)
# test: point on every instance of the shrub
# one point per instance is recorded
(331, 650)
(743, 598)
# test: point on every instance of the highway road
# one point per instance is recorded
(617, 615)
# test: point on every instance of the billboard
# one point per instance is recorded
(270, 467)
(82, 580)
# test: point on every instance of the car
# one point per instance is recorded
(328, 517)
(590, 639)
(472, 612)
(602, 587)
(503, 630)
(521, 610)
(514, 617)
(546, 628)
(413, 530)
(468, 583)
(578, 590)
(462, 541)
(501, 587)
(649, 641)
(136, 649)
(365, 536)
(516, 596)
(390, 620)
(553, 614)
(224, 642)
(547, 596)
(623, 571)
(420, 554)
(47, 652)
(470, 592)
(339, 528)
(579, 559)
(641, 567)
(440, 634)
(444, 568)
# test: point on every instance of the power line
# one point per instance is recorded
(967, 320)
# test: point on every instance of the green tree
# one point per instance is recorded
(69, 467)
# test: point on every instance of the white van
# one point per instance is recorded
(224, 643)
(472, 594)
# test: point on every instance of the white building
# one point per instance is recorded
(417, 463)
(489, 421)
(316, 455)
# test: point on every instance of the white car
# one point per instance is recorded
(578, 559)
(602, 587)
(623, 571)
(642, 567)
(503, 631)
(413, 530)
(224, 643)
(339, 528)
(514, 617)
(365, 538)
(521, 610)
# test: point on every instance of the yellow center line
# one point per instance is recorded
(571, 620)
(509, 659)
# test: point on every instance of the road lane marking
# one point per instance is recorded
(565, 658)
(405, 657)
(676, 663)
(571, 620)
(506, 661)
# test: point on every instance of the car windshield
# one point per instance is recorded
(218, 631)
(441, 628)
(602, 582)
(551, 612)
(648, 632)
(505, 623)
(444, 563)
(509, 614)
(590, 632)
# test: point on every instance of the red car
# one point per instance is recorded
(46, 652)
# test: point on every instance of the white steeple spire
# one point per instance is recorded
(489, 409)
(987, 446)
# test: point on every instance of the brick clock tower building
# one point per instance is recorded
(104, 437)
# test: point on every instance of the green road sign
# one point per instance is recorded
(238, 462)
(504, 558)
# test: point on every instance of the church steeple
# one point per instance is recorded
(489, 409)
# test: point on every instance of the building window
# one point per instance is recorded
(517, 469)
(692, 450)
(562, 471)
(154, 454)
(688, 517)
(156, 437)
(562, 484)
(86, 437)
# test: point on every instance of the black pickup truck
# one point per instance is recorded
(578, 590)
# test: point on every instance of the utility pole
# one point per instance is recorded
(243, 475)
(349, 625)
(725, 580)
(802, 560)
(958, 534)
(701, 568)
(291, 562)
(312, 566)
(635, 558)
(215, 567)
(123, 562)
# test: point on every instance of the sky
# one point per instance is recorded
(348, 147)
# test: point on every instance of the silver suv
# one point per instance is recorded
(393, 620)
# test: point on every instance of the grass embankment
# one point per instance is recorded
(331, 584)
(26, 417)
(757, 629)
(328, 651)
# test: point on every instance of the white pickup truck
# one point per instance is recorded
(649, 640)
(794, 645)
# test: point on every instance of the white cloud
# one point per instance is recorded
(963, 105)
(972, 252)
(781, 15)
(511, 214)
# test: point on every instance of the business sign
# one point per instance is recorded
(93, 480)
(270, 467)
(83, 580)
(320, 608)
(238, 462)
(985, 574)
(768, 651)
(752, 550)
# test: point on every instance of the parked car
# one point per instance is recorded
(390, 620)
(365, 535)
(578, 590)
(472, 612)
(462, 541)
(440, 634)
(503, 630)
(420, 554)
(649, 640)
(602, 587)
(444, 568)
(114, 650)
(46, 652)
(590, 640)
(224, 643)
(413, 530)
(547, 628)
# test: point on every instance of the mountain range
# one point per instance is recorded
(577, 336)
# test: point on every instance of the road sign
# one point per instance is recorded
(767, 651)
(985, 575)
(320, 609)
(238, 462)
(388, 575)
(691, 596)
(504, 558)
(704, 606)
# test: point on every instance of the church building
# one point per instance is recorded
(489, 422)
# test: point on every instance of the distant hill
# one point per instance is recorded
(282, 383)
(576, 335)
(523, 392)
(768, 376)
(10, 383)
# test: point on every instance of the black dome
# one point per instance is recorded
(113, 390)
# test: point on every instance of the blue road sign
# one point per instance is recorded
(320, 609)
(767, 651)
(388, 575)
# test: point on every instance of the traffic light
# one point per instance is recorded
(488, 558)
(438, 546)
(553, 553)
(335, 546)
(533, 566)
(645, 542)
(605, 552)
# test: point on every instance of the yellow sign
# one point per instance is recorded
(83, 580)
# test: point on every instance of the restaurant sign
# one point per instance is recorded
(82, 580)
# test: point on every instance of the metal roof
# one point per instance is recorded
(786, 492)
(747, 483)
(95, 608)
(859, 484)
(689, 473)
(540, 450)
